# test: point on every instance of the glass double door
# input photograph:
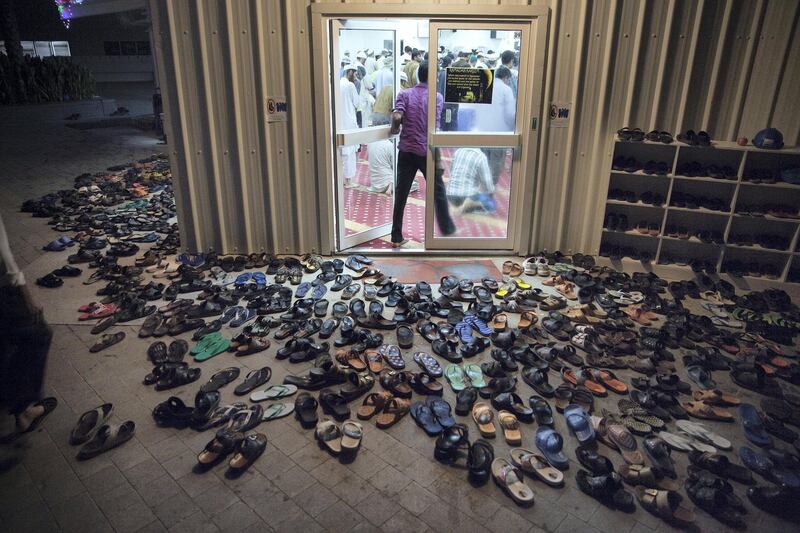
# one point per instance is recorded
(476, 140)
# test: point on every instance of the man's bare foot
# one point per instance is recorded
(399, 244)
(26, 417)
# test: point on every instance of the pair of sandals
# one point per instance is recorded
(95, 435)
(344, 439)
(387, 409)
(245, 449)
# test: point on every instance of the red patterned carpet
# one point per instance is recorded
(411, 270)
(364, 209)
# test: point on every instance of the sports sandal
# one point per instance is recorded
(89, 423)
(106, 438)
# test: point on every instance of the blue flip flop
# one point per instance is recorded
(259, 278)
(302, 289)
(423, 415)
(54, 246)
(478, 324)
(243, 278)
(242, 316)
(579, 423)
(464, 331)
(550, 443)
(318, 292)
(766, 468)
(442, 410)
(753, 425)
(230, 313)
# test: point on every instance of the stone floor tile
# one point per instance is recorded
(309, 457)
(174, 509)
(415, 498)
(197, 522)
(612, 521)
(294, 481)
(315, 499)
(194, 483)
(506, 520)
(79, 513)
(352, 489)
(573, 501)
(572, 524)
(235, 518)
(134, 518)
(153, 527)
(216, 499)
(300, 522)
(339, 517)
(159, 489)
(390, 480)
(331, 472)
(142, 473)
(403, 522)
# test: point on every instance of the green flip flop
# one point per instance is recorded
(456, 376)
(277, 410)
(213, 349)
(475, 375)
(205, 342)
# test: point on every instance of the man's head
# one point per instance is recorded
(507, 58)
(415, 55)
(407, 49)
(503, 73)
(361, 57)
(422, 72)
(446, 60)
(350, 72)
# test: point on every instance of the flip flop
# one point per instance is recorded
(89, 423)
(273, 392)
(107, 340)
(456, 376)
(535, 464)
(213, 349)
(254, 378)
(49, 404)
(511, 480)
(220, 379)
(703, 434)
(106, 438)
(753, 425)
(475, 375)
(277, 410)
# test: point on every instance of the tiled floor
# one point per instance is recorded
(150, 483)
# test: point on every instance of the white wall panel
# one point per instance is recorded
(728, 66)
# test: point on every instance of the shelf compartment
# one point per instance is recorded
(773, 161)
(753, 227)
(710, 155)
(746, 257)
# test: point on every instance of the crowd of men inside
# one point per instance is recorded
(367, 98)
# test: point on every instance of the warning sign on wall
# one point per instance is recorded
(560, 114)
(277, 109)
(468, 85)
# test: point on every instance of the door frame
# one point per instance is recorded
(514, 140)
(321, 13)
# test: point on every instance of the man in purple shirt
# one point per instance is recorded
(411, 111)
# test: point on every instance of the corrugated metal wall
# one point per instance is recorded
(730, 67)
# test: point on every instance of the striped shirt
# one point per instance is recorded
(469, 174)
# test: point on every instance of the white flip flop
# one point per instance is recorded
(273, 392)
(703, 434)
(683, 443)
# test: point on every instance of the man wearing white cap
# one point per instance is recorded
(371, 64)
(346, 120)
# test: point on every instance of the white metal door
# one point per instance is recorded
(473, 138)
(353, 218)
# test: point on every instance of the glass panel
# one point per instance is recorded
(477, 184)
(366, 74)
(477, 76)
(369, 172)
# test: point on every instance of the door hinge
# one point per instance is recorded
(534, 122)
